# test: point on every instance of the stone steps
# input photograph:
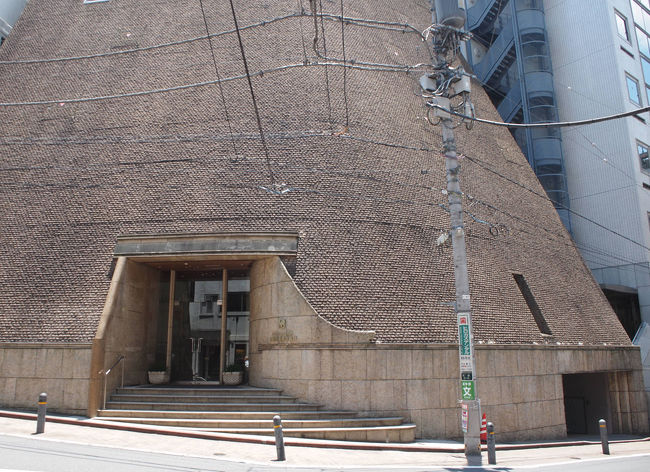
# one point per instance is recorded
(246, 410)
(222, 424)
(216, 406)
(226, 415)
(197, 390)
(140, 398)
(403, 433)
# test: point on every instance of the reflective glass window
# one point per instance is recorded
(642, 150)
(633, 89)
(644, 42)
(621, 26)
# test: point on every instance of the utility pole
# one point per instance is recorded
(445, 85)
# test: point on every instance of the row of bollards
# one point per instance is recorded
(279, 439)
(491, 443)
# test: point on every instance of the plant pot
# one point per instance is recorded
(158, 377)
(233, 378)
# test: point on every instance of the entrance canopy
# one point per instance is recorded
(193, 247)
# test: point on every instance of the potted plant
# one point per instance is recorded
(233, 374)
(158, 374)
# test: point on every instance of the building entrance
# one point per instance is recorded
(203, 323)
(585, 402)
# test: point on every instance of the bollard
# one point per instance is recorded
(603, 436)
(279, 441)
(491, 444)
(42, 409)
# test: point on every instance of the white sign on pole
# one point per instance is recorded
(465, 417)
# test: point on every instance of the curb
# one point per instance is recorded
(300, 442)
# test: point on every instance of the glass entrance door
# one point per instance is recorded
(197, 327)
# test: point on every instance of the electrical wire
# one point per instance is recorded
(559, 237)
(145, 48)
(345, 76)
(316, 134)
(260, 73)
(327, 80)
(559, 124)
(368, 23)
(302, 34)
(216, 70)
(250, 86)
(478, 162)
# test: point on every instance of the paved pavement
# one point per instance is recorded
(312, 453)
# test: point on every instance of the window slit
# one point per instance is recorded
(532, 304)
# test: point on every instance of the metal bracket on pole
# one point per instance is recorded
(443, 111)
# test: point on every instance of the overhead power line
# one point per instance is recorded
(396, 68)
(250, 86)
(562, 207)
(558, 124)
(216, 71)
(367, 23)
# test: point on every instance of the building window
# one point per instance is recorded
(645, 65)
(642, 151)
(644, 41)
(621, 26)
(641, 16)
(532, 304)
(633, 89)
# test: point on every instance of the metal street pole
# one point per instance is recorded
(469, 392)
(444, 84)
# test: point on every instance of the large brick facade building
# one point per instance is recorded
(135, 184)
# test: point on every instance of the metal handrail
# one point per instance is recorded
(106, 372)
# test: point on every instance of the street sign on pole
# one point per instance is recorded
(464, 343)
(467, 390)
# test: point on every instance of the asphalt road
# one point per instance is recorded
(37, 455)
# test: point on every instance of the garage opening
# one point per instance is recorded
(585, 402)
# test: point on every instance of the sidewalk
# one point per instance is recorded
(303, 452)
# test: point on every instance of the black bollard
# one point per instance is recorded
(279, 440)
(491, 444)
(42, 409)
(602, 426)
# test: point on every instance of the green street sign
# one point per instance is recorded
(463, 340)
(467, 391)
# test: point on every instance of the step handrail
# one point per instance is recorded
(108, 371)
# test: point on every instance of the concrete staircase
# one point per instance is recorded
(246, 410)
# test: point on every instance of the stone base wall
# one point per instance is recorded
(61, 371)
(520, 387)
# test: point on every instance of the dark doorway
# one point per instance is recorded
(585, 402)
(626, 307)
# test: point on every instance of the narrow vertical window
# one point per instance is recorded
(633, 89)
(532, 304)
(645, 65)
(621, 26)
(642, 150)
